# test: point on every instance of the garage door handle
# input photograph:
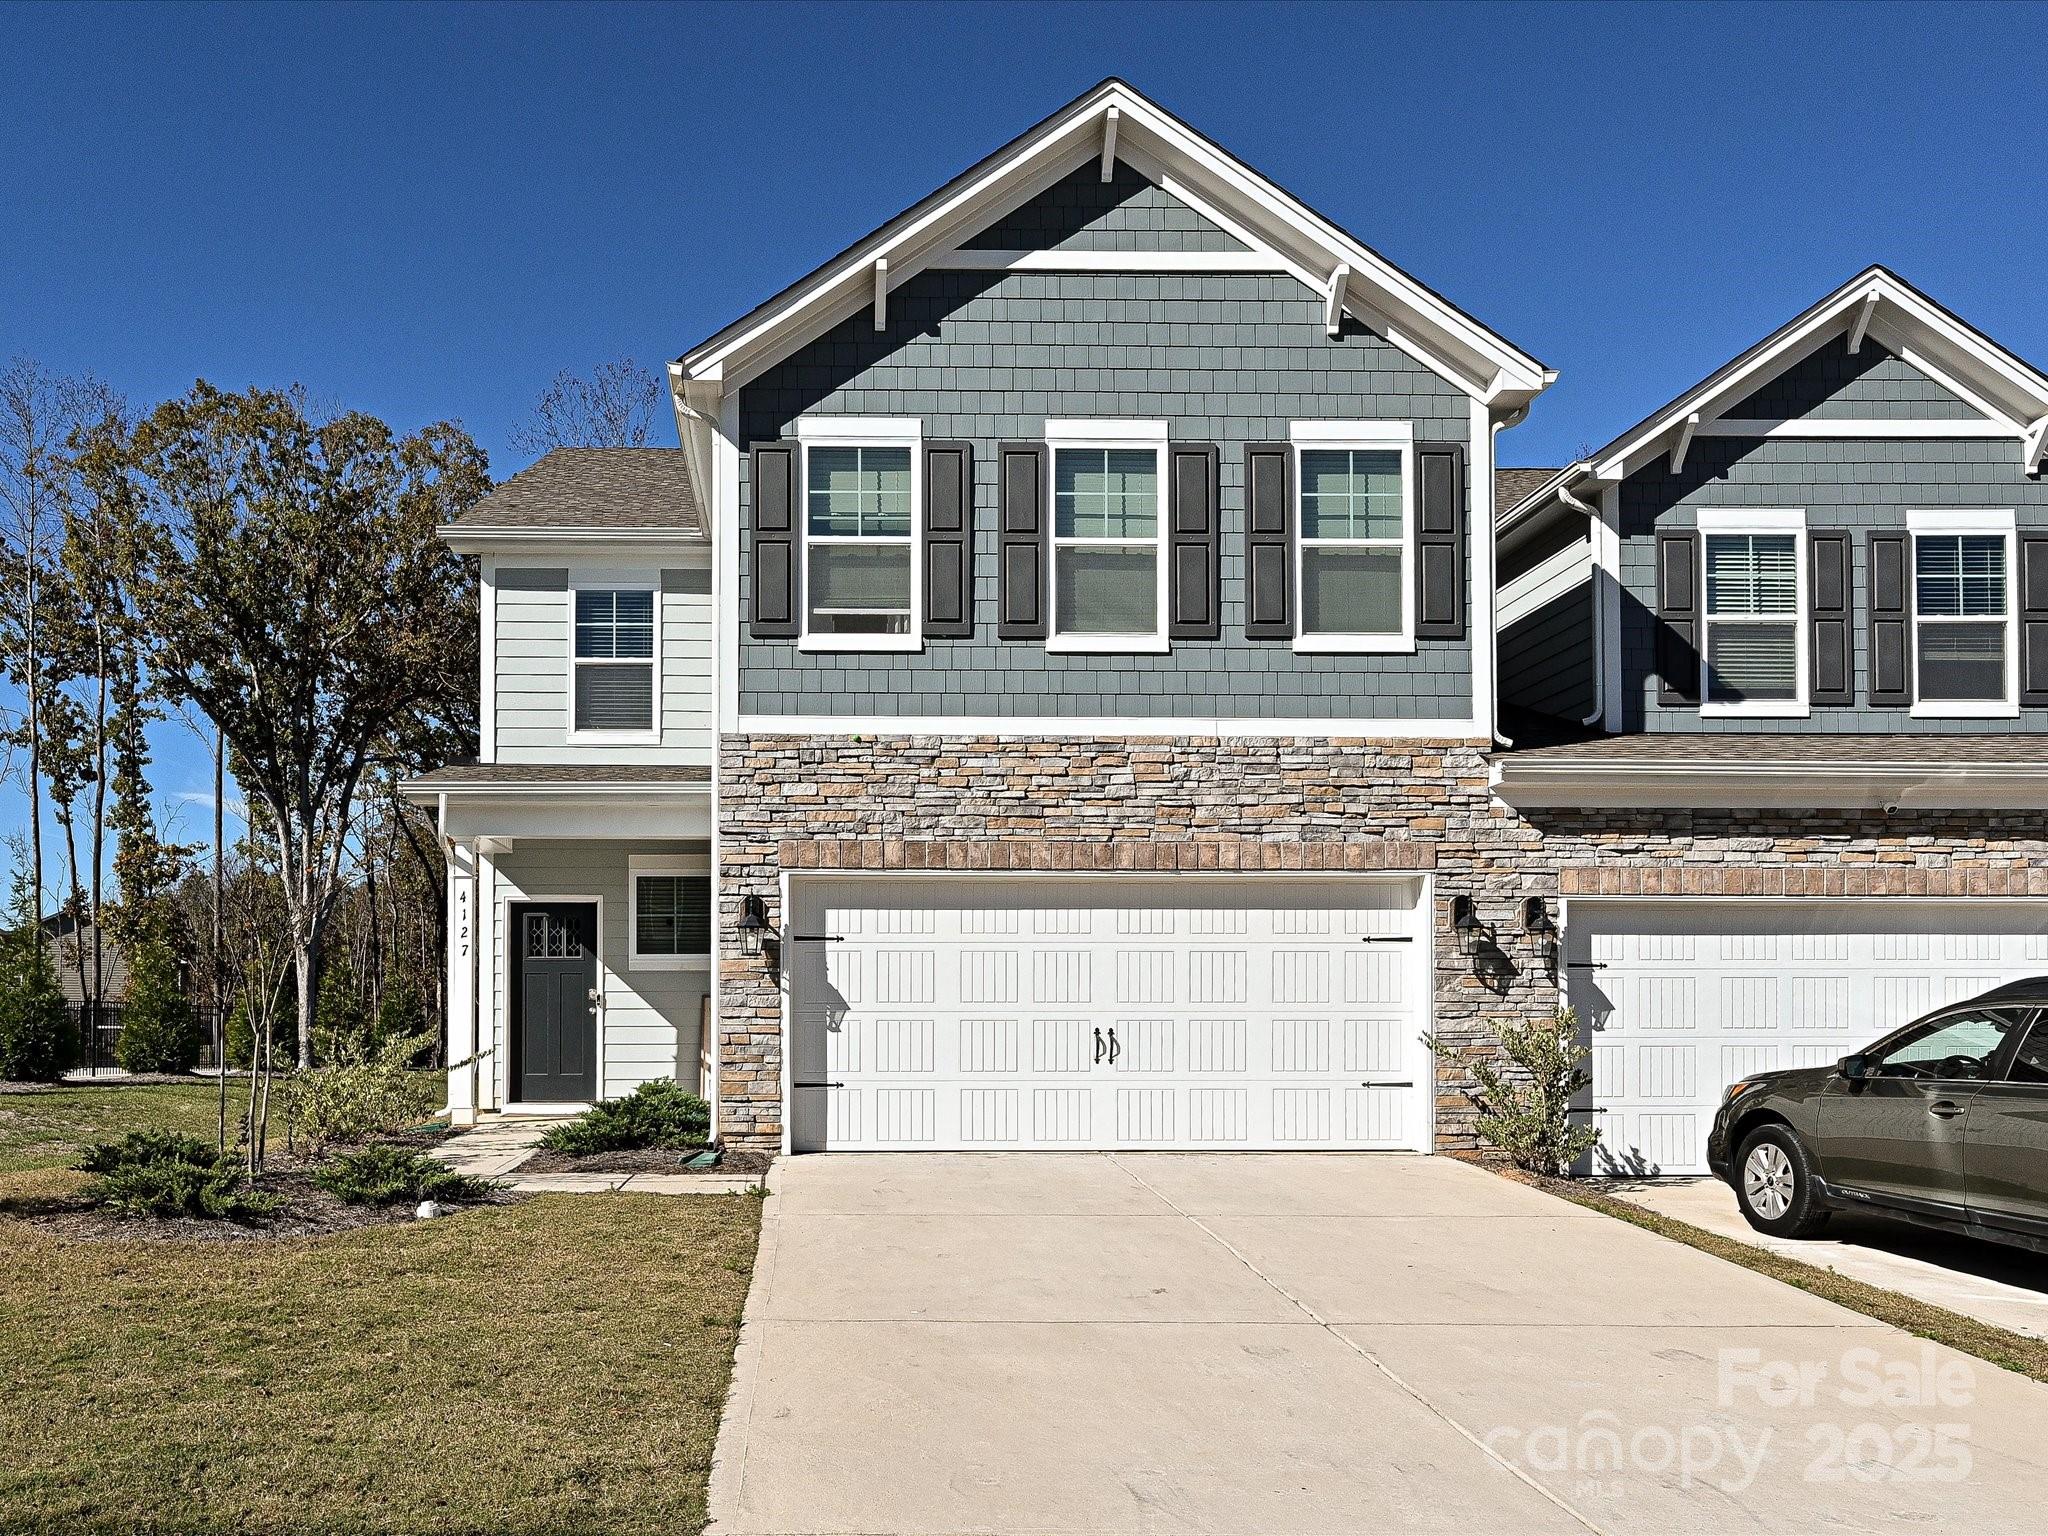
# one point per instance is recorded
(1947, 1109)
(1114, 1048)
(1098, 1046)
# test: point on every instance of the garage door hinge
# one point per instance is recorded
(1387, 1085)
(1586, 965)
(1388, 938)
(817, 1085)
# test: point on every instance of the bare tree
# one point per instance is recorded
(612, 407)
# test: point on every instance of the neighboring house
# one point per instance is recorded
(1065, 704)
(1799, 619)
(580, 857)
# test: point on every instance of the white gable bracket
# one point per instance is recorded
(1333, 299)
(1678, 449)
(2032, 445)
(1861, 323)
(882, 293)
(1109, 121)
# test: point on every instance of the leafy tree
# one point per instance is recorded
(37, 1041)
(611, 408)
(159, 1031)
(304, 601)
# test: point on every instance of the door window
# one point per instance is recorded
(551, 937)
(2030, 1061)
(1958, 1048)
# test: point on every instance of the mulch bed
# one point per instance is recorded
(646, 1160)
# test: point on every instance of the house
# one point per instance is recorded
(1797, 620)
(1085, 683)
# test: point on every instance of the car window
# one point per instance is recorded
(2030, 1061)
(1958, 1047)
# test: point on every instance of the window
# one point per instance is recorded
(670, 920)
(614, 686)
(1354, 525)
(1755, 650)
(1962, 619)
(1108, 556)
(860, 523)
(1956, 1049)
(2030, 1061)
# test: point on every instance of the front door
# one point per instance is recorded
(555, 1046)
(2006, 1167)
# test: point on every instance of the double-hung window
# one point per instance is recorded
(614, 661)
(860, 534)
(1964, 636)
(1354, 548)
(1108, 549)
(670, 920)
(1755, 652)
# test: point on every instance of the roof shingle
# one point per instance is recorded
(629, 489)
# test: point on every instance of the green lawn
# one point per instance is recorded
(551, 1366)
(48, 1127)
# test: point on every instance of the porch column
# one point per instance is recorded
(463, 1068)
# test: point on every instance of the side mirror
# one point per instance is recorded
(1855, 1068)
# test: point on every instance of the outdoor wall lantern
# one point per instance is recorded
(1537, 923)
(757, 941)
(1465, 921)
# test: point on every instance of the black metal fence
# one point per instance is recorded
(99, 1037)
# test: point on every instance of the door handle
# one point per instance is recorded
(1114, 1048)
(1947, 1109)
(596, 999)
(1098, 1045)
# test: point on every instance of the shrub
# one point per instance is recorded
(385, 1175)
(1526, 1113)
(161, 1173)
(284, 1034)
(656, 1114)
(361, 1095)
(38, 1039)
(159, 1031)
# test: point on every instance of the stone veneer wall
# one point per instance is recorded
(940, 803)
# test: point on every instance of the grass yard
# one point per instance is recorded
(49, 1127)
(552, 1366)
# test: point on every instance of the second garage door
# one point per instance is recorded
(1191, 1012)
(1680, 998)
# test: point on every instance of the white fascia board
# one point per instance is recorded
(1761, 427)
(683, 548)
(1545, 582)
(1762, 786)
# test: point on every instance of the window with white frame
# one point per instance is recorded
(614, 660)
(1108, 553)
(1755, 651)
(670, 917)
(1962, 615)
(861, 522)
(1354, 542)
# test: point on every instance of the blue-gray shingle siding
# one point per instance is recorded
(1082, 212)
(1834, 384)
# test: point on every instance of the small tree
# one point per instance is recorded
(37, 1041)
(1526, 1112)
(159, 1031)
(613, 407)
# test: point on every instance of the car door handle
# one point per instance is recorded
(1098, 1046)
(1948, 1109)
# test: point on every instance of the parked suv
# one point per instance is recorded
(1943, 1122)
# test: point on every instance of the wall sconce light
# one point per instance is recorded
(1537, 923)
(757, 940)
(1465, 923)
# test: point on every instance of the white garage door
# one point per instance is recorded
(1108, 1012)
(1679, 999)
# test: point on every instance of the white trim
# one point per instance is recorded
(1169, 728)
(726, 615)
(882, 294)
(679, 545)
(601, 581)
(505, 1026)
(487, 661)
(1761, 427)
(1104, 261)
(906, 432)
(1861, 324)
(1110, 119)
(1482, 629)
(1370, 436)
(1685, 436)
(1751, 519)
(1333, 300)
(639, 864)
(1107, 437)
(1939, 522)
(1545, 582)
(1771, 522)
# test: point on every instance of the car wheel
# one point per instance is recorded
(1776, 1186)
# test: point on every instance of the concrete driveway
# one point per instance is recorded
(1317, 1343)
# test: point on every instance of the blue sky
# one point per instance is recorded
(426, 211)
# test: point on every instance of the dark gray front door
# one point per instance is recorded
(555, 1048)
(2006, 1164)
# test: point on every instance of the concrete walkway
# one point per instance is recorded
(2007, 1287)
(495, 1148)
(1310, 1344)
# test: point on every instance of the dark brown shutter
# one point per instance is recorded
(2034, 621)
(1678, 619)
(777, 552)
(1891, 650)
(1268, 541)
(1833, 650)
(1440, 542)
(1020, 541)
(949, 540)
(1193, 543)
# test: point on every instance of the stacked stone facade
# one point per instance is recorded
(1200, 805)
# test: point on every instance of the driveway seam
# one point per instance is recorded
(1421, 1398)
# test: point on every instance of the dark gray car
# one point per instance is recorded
(1943, 1122)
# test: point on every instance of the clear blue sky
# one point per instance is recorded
(426, 211)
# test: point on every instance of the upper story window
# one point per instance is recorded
(1355, 545)
(1755, 651)
(1963, 625)
(614, 660)
(1108, 548)
(670, 919)
(860, 531)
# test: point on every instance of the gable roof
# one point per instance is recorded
(1111, 122)
(591, 490)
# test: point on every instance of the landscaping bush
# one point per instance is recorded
(385, 1175)
(159, 1030)
(1526, 1113)
(363, 1094)
(658, 1114)
(161, 1173)
(37, 1037)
